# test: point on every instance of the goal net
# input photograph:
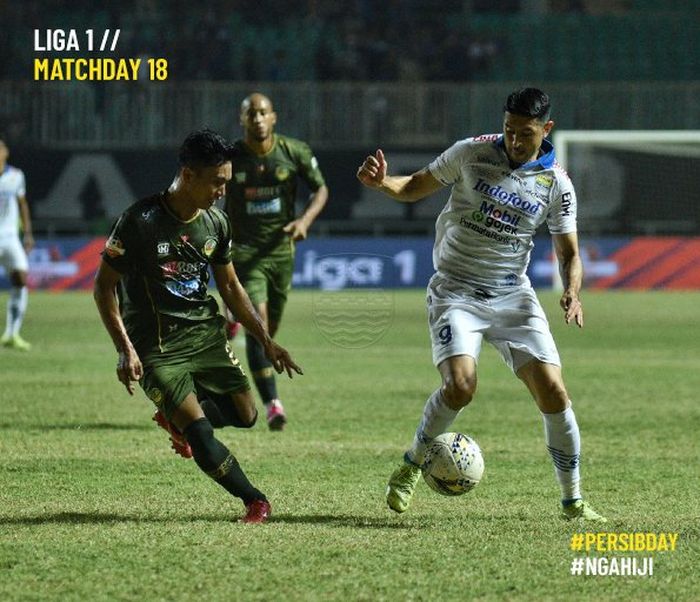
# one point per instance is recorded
(633, 182)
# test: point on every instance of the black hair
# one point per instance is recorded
(529, 102)
(204, 148)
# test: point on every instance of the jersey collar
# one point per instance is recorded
(544, 161)
(166, 208)
(265, 154)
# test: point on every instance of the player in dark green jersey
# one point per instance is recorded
(260, 202)
(151, 291)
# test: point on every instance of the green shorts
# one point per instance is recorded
(207, 363)
(267, 280)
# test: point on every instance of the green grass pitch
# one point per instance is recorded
(95, 506)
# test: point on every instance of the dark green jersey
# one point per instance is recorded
(260, 198)
(165, 263)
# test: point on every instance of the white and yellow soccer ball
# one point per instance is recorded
(453, 464)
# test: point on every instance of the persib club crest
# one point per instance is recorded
(209, 247)
(544, 181)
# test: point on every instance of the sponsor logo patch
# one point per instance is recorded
(498, 219)
(175, 268)
(281, 173)
(185, 289)
(264, 207)
(114, 247)
(544, 181)
(566, 204)
(209, 247)
(156, 396)
(505, 197)
(163, 248)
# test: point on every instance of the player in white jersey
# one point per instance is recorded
(503, 187)
(13, 254)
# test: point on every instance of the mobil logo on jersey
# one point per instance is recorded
(501, 220)
(505, 197)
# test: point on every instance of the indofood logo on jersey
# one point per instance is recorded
(497, 193)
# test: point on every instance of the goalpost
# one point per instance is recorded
(632, 181)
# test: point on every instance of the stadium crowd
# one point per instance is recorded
(404, 40)
(283, 41)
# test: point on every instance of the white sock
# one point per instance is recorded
(16, 307)
(564, 444)
(437, 418)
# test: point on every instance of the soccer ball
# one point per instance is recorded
(453, 464)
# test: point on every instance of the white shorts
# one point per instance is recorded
(515, 323)
(12, 255)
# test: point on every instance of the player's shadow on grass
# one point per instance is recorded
(104, 518)
(84, 426)
(73, 518)
(360, 522)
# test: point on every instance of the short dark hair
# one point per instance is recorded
(204, 148)
(529, 102)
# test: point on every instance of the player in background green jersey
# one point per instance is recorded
(260, 203)
(151, 292)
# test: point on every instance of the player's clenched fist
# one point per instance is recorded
(373, 171)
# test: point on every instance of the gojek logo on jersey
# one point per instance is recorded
(497, 193)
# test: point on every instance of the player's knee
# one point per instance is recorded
(18, 278)
(208, 452)
(459, 391)
(553, 396)
(199, 433)
(200, 436)
(249, 420)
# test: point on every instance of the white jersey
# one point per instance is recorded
(483, 236)
(11, 188)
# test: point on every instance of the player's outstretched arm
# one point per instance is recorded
(237, 300)
(571, 269)
(407, 189)
(129, 368)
